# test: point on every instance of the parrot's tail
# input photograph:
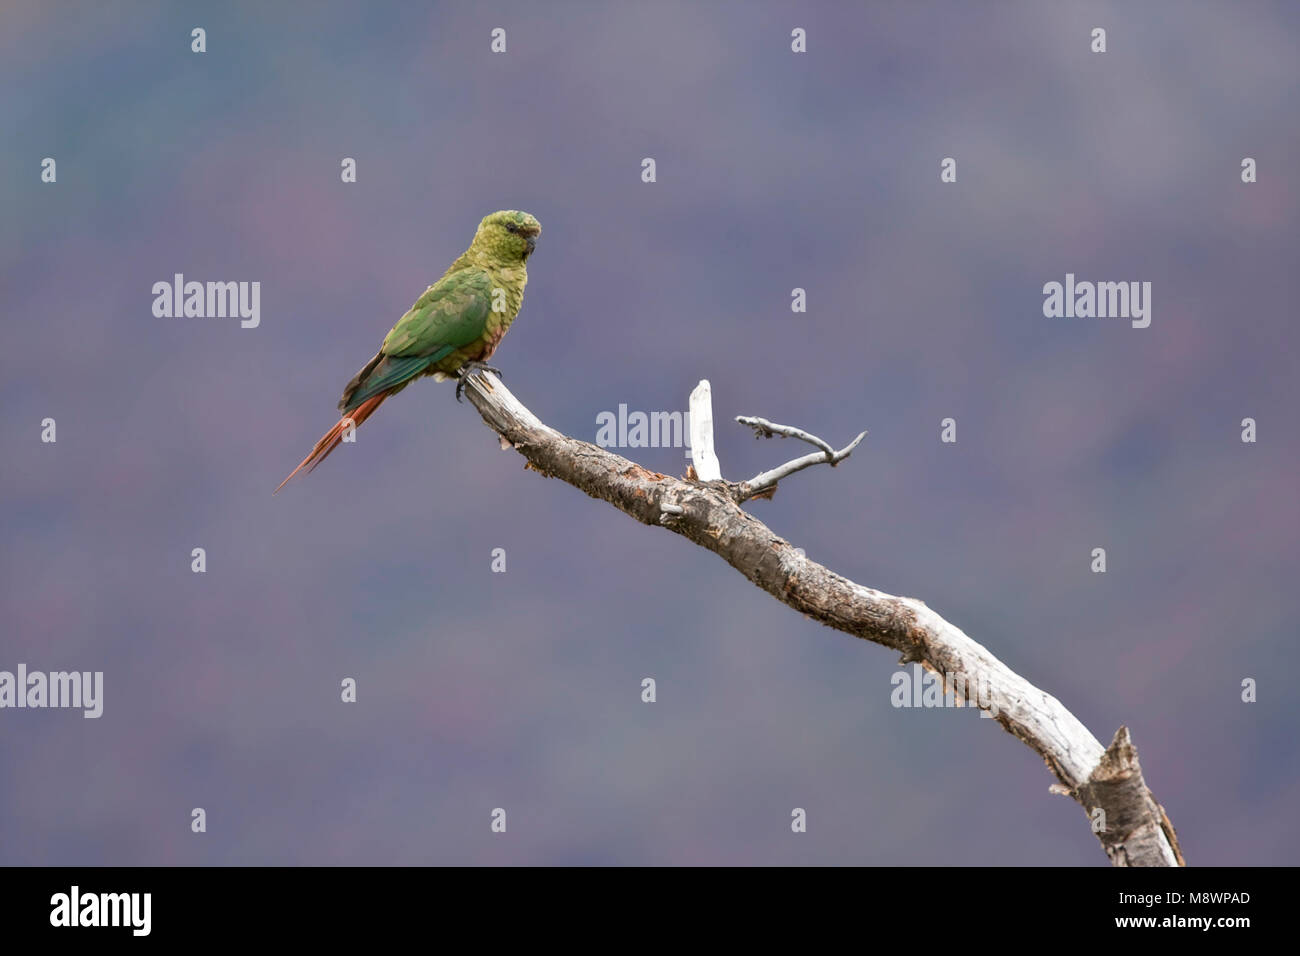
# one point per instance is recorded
(332, 438)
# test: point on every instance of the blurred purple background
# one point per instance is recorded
(775, 170)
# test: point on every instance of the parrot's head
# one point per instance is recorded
(507, 237)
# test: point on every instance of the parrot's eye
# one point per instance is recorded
(511, 227)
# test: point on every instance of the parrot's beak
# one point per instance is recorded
(532, 244)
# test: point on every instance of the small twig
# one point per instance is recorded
(766, 481)
(765, 429)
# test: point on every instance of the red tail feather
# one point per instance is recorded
(332, 438)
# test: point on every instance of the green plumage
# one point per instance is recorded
(460, 318)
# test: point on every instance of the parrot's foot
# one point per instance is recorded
(468, 369)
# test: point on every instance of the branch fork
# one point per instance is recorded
(763, 485)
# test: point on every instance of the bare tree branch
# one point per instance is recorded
(1107, 783)
(764, 483)
(765, 429)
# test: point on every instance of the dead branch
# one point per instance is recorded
(764, 483)
(1106, 782)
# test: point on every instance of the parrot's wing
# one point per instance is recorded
(451, 314)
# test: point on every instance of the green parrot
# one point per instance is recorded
(452, 330)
